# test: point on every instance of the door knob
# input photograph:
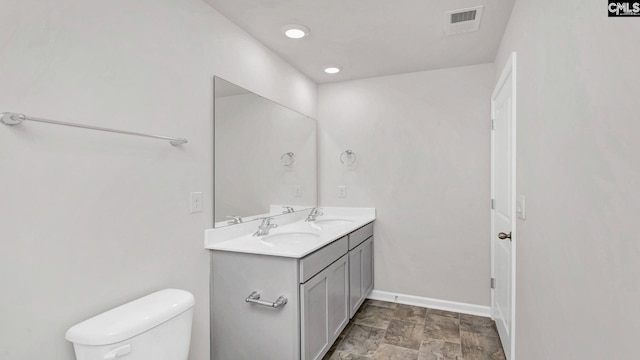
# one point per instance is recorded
(503, 236)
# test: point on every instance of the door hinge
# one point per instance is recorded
(493, 204)
(493, 283)
(493, 124)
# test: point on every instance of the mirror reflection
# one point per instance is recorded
(265, 157)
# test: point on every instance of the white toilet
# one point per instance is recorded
(157, 326)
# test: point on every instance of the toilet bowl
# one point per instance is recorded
(156, 326)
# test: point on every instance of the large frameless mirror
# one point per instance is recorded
(265, 157)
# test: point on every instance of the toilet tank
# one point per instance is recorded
(156, 326)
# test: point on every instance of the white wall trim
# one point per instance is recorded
(447, 305)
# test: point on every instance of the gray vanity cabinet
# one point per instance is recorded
(318, 292)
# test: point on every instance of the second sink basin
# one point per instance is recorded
(289, 238)
(330, 222)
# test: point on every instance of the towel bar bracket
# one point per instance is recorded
(12, 118)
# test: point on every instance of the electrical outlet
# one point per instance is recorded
(195, 201)
(342, 191)
(297, 191)
(520, 207)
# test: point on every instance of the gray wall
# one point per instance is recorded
(578, 164)
(91, 220)
(422, 141)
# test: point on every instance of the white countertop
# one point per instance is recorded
(239, 240)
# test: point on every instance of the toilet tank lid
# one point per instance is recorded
(131, 319)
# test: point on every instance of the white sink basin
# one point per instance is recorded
(331, 222)
(289, 238)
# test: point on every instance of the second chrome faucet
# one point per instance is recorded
(315, 212)
(264, 227)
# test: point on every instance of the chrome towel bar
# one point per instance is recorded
(9, 118)
(254, 298)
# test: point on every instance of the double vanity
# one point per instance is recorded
(287, 292)
(286, 277)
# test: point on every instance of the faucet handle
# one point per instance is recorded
(287, 209)
(235, 219)
(266, 221)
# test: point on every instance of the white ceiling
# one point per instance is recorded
(370, 38)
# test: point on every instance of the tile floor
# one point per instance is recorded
(390, 331)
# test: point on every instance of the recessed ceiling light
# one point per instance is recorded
(332, 69)
(295, 31)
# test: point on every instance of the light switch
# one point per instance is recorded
(195, 201)
(520, 207)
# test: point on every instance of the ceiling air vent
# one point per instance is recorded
(463, 20)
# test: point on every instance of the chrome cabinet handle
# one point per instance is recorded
(503, 236)
(254, 297)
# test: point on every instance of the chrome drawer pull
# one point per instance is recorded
(254, 297)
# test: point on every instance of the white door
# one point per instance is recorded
(503, 147)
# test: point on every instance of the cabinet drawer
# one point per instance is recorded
(360, 235)
(315, 262)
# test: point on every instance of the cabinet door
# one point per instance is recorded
(338, 297)
(367, 267)
(360, 275)
(324, 309)
(355, 280)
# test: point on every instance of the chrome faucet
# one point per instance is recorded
(234, 219)
(264, 227)
(315, 212)
(287, 209)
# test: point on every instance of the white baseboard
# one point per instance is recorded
(459, 307)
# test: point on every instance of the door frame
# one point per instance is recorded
(508, 72)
